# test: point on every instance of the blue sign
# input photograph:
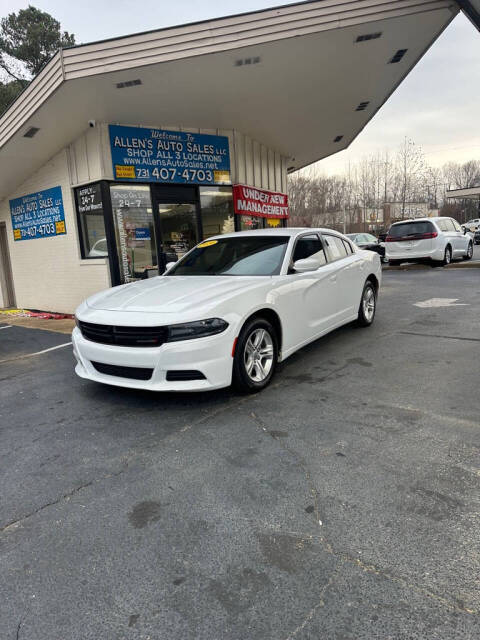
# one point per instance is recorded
(38, 215)
(156, 155)
(142, 233)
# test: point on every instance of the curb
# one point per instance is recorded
(413, 267)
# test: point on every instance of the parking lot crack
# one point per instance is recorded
(319, 605)
(66, 496)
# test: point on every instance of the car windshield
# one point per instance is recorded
(410, 229)
(234, 256)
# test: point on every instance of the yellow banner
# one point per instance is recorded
(122, 171)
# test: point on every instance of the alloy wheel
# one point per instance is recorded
(258, 355)
(368, 303)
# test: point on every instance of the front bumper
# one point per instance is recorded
(212, 356)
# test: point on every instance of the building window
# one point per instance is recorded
(91, 221)
(134, 230)
(217, 210)
(250, 223)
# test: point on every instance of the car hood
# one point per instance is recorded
(173, 294)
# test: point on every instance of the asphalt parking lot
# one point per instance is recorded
(341, 503)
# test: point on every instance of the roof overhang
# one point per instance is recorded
(471, 8)
(472, 193)
(303, 77)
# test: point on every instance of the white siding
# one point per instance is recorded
(48, 273)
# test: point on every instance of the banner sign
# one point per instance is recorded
(156, 155)
(259, 202)
(89, 199)
(38, 215)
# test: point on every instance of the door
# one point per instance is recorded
(7, 295)
(178, 228)
(349, 275)
(134, 231)
(310, 300)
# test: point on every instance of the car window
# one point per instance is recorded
(370, 238)
(309, 247)
(456, 226)
(405, 229)
(348, 247)
(442, 225)
(449, 224)
(242, 255)
(335, 247)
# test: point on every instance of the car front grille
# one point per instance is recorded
(124, 336)
(134, 373)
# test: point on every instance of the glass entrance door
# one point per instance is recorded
(134, 231)
(179, 229)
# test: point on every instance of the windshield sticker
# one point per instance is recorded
(208, 243)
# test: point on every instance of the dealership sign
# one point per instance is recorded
(38, 215)
(259, 202)
(156, 155)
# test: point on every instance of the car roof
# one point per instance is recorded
(421, 220)
(283, 231)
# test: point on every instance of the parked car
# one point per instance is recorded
(438, 240)
(472, 225)
(368, 242)
(228, 310)
(99, 249)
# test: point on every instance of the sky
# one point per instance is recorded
(437, 106)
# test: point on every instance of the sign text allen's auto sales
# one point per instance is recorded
(156, 155)
(38, 215)
(259, 202)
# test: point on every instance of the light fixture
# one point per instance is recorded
(398, 56)
(338, 138)
(128, 83)
(30, 132)
(362, 106)
(369, 36)
(247, 61)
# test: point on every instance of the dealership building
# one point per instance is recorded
(123, 154)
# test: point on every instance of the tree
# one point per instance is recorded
(28, 39)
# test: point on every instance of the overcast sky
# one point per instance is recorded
(438, 105)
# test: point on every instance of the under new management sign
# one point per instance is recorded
(259, 202)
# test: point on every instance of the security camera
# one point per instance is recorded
(92, 124)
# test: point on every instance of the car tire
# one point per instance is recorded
(447, 256)
(368, 305)
(469, 254)
(252, 372)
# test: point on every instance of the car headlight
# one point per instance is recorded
(198, 329)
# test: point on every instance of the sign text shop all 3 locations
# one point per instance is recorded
(156, 155)
(38, 215)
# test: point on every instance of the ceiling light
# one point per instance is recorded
(338, 138)
(247, 61)
(29, 133)
(398, 56)
(362, 106)
(368, 36)
(128, 83)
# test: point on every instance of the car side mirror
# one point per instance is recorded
(307, 264)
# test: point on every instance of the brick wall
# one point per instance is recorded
(48, 273)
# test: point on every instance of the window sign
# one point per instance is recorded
(91, 221)
(156, 155)
(38, 215)
(259, 202)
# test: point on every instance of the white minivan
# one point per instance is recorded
(438, 240)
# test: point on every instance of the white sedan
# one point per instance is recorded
(228, 311)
